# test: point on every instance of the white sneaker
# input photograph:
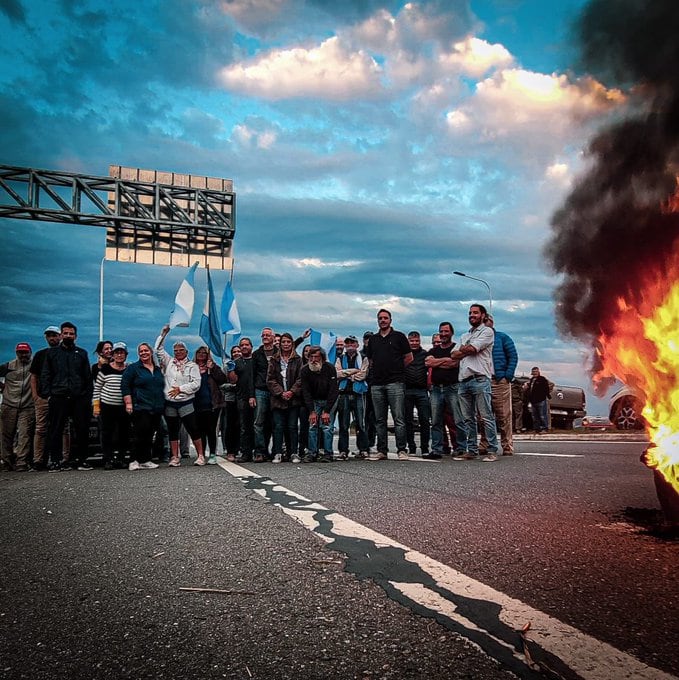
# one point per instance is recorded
(278, 458)
(134, 466)
(212, 460)
(148, 465)
(295, 458)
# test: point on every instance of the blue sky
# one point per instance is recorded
(375, 147)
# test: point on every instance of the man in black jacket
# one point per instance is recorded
(66, 381)
(320, 391)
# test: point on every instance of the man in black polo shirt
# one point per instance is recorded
(389, 353)
(444, 386)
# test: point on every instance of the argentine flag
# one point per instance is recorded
(183, 301)
(209, 323)
(326, 341)
(230, 318)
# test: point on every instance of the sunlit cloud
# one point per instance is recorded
(329, 71)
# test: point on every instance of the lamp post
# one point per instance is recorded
(485, 283)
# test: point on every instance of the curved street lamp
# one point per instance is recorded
(485, 283)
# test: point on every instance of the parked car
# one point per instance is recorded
(567, 404)
(626, 406)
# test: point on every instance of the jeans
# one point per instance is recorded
(390, 396)
(285, 419)
(352, 404)
(262, 422)
(418, 399)
(539, 412)
(442, 396)
(475, 395)
(246, 417)
(326, 430)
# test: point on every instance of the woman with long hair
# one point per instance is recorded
(209, 401)
(142, 389)
(283, 381)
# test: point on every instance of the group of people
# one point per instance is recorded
(268, 404)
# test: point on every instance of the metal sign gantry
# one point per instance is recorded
(150, 216)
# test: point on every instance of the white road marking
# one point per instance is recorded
(551, 455)
(590, 658)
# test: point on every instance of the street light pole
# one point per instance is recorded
(485, 283)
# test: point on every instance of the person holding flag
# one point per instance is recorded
(182, 381)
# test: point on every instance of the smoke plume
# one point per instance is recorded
(616, 224)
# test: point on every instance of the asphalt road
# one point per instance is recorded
(361, 583)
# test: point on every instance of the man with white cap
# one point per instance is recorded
(52, 336)
(17, 413)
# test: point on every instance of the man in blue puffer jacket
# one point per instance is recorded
(505, 359)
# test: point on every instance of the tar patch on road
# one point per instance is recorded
(525, 641)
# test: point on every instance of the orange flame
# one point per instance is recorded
(643, 351)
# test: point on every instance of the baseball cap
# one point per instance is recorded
(120, 345)
(52, 329)
(351, 338)
(367, 334)
(23, 347)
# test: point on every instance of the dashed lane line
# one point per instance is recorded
(486, 617)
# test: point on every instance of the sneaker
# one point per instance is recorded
(361, 455)
(309, 458)
(465, 456)
(377, 456)
(343, 455)
(199, 461)
(326, 458)
(259, 458)
(240, 458)
(54, 467)
(403, 455)
(490, 458)
(148, 465)
(295, 458)
(212, 460)
(278, 458)
(174, 462)
(230, 457)
(134, 465)
(108, 465)
(508, 453)
(84, 466)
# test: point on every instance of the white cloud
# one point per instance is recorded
(248, 137)
(329, 71)
(475, 57)
(317, 263)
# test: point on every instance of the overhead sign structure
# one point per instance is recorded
(150, 216)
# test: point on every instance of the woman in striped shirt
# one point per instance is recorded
(107, 401)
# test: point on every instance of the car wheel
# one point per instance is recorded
(628, 414)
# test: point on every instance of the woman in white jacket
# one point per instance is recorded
(182, 381)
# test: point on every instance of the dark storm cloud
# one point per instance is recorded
(13, 10)
(612, 227)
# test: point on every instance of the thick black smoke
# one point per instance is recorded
(613, 225)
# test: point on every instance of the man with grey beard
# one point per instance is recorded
(320, 391)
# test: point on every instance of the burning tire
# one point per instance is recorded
(626, 414)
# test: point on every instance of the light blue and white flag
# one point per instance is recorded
(209, 323)
(230, 318)
(183, 301)
(326, 340)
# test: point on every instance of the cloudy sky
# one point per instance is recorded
(375, 147)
